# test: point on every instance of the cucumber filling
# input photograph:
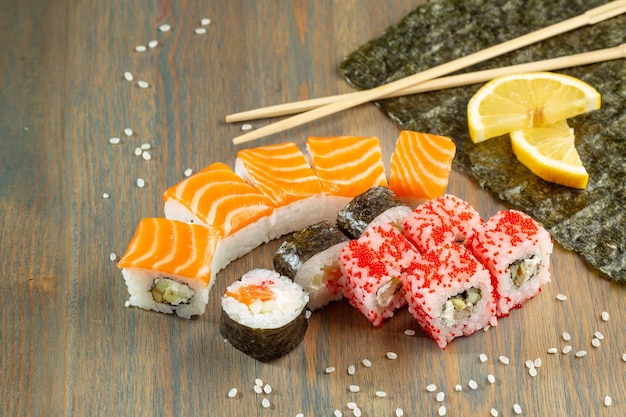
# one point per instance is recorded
(523, 270)
(460, 306)
(387, 292)
(170, 291)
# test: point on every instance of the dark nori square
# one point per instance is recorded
(365, 207)
(590, 221)
(304, 244)
(264, 345)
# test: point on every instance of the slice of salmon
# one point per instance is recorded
(219, 198)
(172, 248)
(347, 165)
(420, 165)
(280, 171)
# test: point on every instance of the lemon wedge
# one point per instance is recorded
(549, 152)
(523, 101)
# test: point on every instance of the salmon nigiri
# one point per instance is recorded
(168, 266)
(282, 173)
(420, 166)
(347, 165)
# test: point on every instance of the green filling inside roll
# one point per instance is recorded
(170, 291)
(460, 306)
(523, 270)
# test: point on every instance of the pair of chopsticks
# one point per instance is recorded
(430, 80)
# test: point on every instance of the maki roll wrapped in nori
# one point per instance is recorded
(310, 258)
(374, 206)
(264, 314)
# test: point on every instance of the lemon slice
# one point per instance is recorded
(549, 152)
(522, 101)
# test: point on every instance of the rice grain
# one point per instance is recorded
(232, 393)
(561, 297)
(165, 27)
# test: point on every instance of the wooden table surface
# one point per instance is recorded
(68, 345)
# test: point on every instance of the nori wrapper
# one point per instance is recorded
(589, 221)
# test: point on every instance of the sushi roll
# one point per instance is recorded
(264, 314)
(372, 266)
(168, 266)
(282, 173)
(449, 293)
(516, 251)
(310, 258)
(441, 220)
(346, 166)
(420, 166)
(216, 197)
(375, 206)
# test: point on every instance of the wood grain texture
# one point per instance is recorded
(68, 347)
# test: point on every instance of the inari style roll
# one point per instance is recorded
(168, 266)
(516, 250)
(264, 314)
(377, 205)
(441, 220)
(372, 266)
(449, 293)
(310, 258)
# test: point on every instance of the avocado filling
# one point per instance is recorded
(169, 291)
(387, 292)
(524, 269)
(460, 306)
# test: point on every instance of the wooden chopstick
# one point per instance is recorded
(590, 17)
(585, 58)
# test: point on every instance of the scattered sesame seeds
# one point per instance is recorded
(140, 48)
(232, 393)
(146, 155)
(141, 182)
(581, 353)
(517, 409)
(114, 141)
(145, 146)
(491, 379)
(105, 195)
(494, 412)
(128, 76)
(246, 126)
(537, 362)
(138, 151)
(329, 370)
(529, 364)
(367, 363)
(599, 336)
(504, 360)
(533, 372)
(357, 412)
(392, 355)
(354, 388)
(441, 396)
(458, 388)
(153, 44)
(337, 413)
(143, 84)
(258, 389)
(561, 297)
(567, 337)
(399, 412)
(595, 342)
(128, 131)
(552, 350)
(482, 357)
(566, 349)
(442, 411)
(200, 31)
(267, 389)
(431, 387)
(265, 403)
(351, 405)
(351, 370)
(165, 27)
(409, 332)
(205, 22)
(605, 316)
(381, 394)
(472, 384)
(112, 256)
(608, 401)
(188, 172)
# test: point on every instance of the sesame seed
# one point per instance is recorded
(337, 413)
(146, 155)
(537, 363)
(491, 379)
(145, 146)
(595, 342)
(580, 353)
(442, 411)
(533, 372)
(329, 370)
(409, 332)
(472, 384)
(258, 389)
(517, 409)
(142, 84)
(165, 27)
(561, 297)
(357, 412)
(392, 355)
(200, 31)
(458, 388)
(529, 364)
(482, 357)
(431, 387)
(567, 337)
(246, 127)
(566, 349)
(608, 401)
(441, 396)
(141, 48)
(351, 405)
(205, 22)
(128, 76)
(399, 412)
(232, 393)
(381, 394)
(112, 256)
(354, 388)
(351, 370)
(367, 363)
(188, 172)
(552, 350)
(105, 195)
(494, 412)
(138, 151)
(267, 389)
(265, 403)
(141, 182)
(605, 316)
(504, 360)
(114, 141)
(153, 44)
(128, 131)
(599, 335)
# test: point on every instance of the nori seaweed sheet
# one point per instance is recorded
(590, 221)
(304, 244)
(354, 217)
